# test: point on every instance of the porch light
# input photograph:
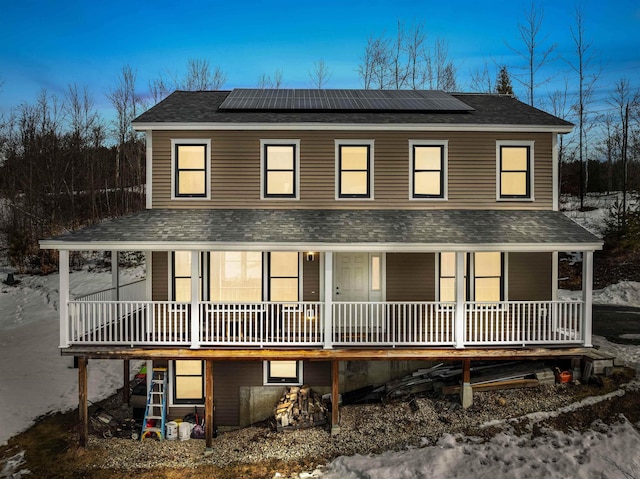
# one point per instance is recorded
(310, 256)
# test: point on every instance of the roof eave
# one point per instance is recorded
(226, 126)
(317, 247)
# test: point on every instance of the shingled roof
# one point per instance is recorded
(256, 229)
(188, 107)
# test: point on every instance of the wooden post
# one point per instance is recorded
(208, 406)
(466, 392)
(127, 385)
(335, 390)
(83, 402)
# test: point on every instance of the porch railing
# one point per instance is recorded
(302, 324)
(132, 291)
(390, 324)
(523, 322)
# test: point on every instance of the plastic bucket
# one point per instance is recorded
(184, 431)
(172, 430)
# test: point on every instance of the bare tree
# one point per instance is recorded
(201, 76)
(398, 65)
(160, 88)
(320, 74)
(584, 65)
(266, 81)
(558, 104)
(533, 52)
(374, 68)
(415, 51)
(482, 80)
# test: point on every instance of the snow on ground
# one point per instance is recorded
(605, 451)
(35, 379)
(624, 293)
(595, 219)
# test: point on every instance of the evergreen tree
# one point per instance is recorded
(503, 82)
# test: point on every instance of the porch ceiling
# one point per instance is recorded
(332, 230)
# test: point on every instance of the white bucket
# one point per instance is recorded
(172, 431)
(184, 431)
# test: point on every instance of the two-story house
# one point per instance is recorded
(326, 237)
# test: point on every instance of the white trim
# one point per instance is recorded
(445, 168)
(148, 260)
(191, 141)
(555, 172)
(370, 143)
(300, 378)
(170, 269)
(554, 276)
(63, 273)
(149, 169)
(587, 296)
(195, 299)
(437, 258)
(524, 143)
(318, 247)
(115, 275)
(504, 256)
(328, 299)
(324, 126)
(460, 313)
(172, 388)
(296, 165)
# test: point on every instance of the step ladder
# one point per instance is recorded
(155, 413)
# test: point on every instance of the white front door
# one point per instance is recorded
(351, 279)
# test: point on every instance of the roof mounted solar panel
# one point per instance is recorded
(342, 100)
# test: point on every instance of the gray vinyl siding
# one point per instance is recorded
(235, 170)
(530, 276)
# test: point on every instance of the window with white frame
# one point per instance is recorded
(191, 160)
(428, 169)
(235, 276)
(181, 276)
(354, 169)
(515, 170)
(282, 372)
(280, 168)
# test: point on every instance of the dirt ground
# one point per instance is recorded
(52, 451)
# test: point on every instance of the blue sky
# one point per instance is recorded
(47, 44)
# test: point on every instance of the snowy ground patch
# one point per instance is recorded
(624, 293)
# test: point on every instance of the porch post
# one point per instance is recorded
(587, 295)
(208, 406)
(83, 407)
(460, 312)
(335, 390)
(115, 275)
(328, 300)
(63, 270)
(195, 309)
(127, 381)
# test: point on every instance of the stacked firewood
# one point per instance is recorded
(300, 407)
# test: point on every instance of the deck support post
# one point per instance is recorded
(209, 408)
(587, 296)
(466, 392)
(63, 269)
(115, 275)
(195, 293)
(460, 313)
(335, 398)
(83, 407)
(328, 299)
(127, 385)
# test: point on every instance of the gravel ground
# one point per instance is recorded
(365, 429)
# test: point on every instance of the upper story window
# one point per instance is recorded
(280, 161)
(428, 167)
(515, 170)
(354, 169)
(191, 162)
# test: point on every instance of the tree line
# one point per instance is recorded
(63, 165)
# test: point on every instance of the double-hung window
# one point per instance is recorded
(280, 161)
(428, 167)
(354, 169)
(483, 276)
(515, 170)
(191, 163)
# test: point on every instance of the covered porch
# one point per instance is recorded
(359, 279)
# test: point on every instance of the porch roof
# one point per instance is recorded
(332, 230)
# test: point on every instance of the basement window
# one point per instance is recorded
(283, 372)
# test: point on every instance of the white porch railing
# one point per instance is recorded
(262, 324)
(133, 291)
(391, 324)
(301, 324)
(523, 323)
